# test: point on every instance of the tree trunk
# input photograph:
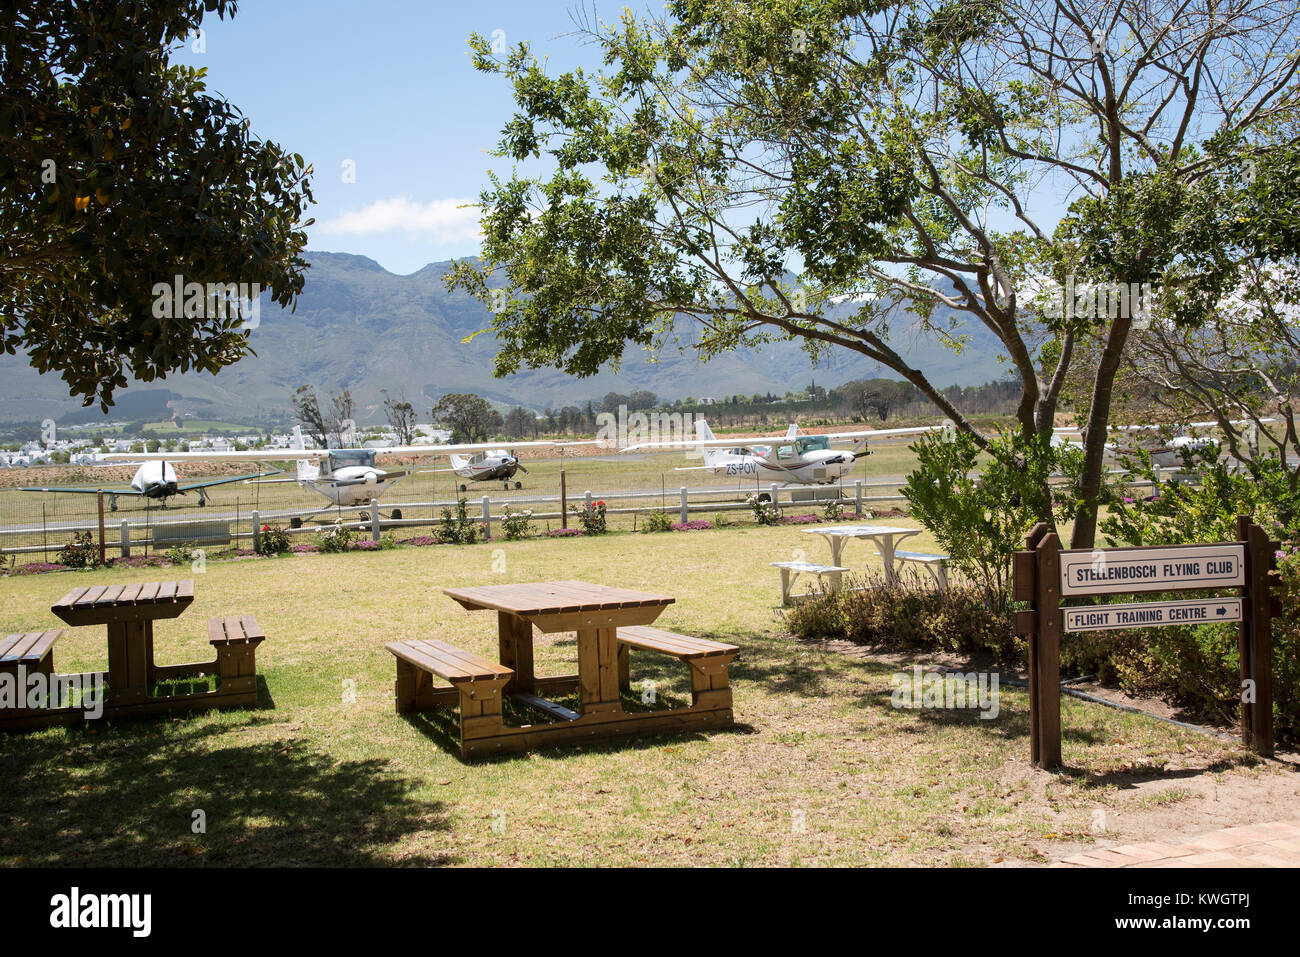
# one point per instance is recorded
(1094, 436)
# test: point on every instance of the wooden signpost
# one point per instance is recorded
(1044, 574)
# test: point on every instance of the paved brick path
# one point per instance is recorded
(1276, 844)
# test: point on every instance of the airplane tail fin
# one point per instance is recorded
(793, 431)
(308, 471)
(705, 434)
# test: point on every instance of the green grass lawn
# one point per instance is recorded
(821, 769)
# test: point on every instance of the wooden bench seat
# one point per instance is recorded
(33, 653)
(235, 638)
(476, 683)
(708, 660)
(936, 565)
(792, 570)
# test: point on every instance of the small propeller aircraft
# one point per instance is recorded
(494, 465)
(347, 477)
(1166, 451)
(791, 459)
(156, 480)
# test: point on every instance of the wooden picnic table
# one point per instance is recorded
(886, 538)
(129, 613)
(608, 622)
(594, 612)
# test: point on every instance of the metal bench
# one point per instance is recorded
(476, 683)
(936, 565)
(792, 570)
(708, 660)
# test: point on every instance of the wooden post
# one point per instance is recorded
(1024, 587)
(487, 517)
(1244, 639)
(100, 497)
(257, 531)
(374, 520)
(564, 502)
(857, 496)
(1047, 676)
(124, 538)
(686, 506)
(1255, 639)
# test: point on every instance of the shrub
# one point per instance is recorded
(274, 540)
(765, 511)
(910, 614)
(657, 522)
(516, 523)
(592, 519)
(335, 538)
(388, 541)
(181, 554)
(81, 552)
(982, 521)
(457, 529)
(833, 510)
(721, 520)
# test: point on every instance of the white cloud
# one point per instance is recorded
(445, 220)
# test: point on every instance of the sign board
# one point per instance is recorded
(1174, 568)
(1147, 614)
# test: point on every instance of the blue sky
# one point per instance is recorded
(388, 85)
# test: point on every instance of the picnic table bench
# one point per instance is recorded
(936, 565)
(608, 621)
(23, 654)
(792, 570)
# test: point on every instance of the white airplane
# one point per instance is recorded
(1165, 451)
(347, 477)
(153, 479)
(792, 459)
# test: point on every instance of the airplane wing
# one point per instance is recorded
(262, 455)
(225, 481)
(749, 441)
(84, 491)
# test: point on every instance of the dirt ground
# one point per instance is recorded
(1188, 795)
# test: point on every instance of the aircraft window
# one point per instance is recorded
(812, 444)
(350, 457)
(785, 452)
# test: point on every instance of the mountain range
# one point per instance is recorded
(361, 327)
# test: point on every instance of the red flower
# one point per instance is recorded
(266, 528)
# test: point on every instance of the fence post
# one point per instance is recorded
(257, 531)
(857, 496)
(686, 510)
(124, 539)
(564, 501)
(101, 526)
(374, 520)
(487, 517)
(775, 491)
(587, 500)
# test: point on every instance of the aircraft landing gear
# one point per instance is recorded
(519, 485)
(464, 488)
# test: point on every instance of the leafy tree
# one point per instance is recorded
(520, 424)
(118, 172)
(307, 408)
(900, 154)
(401, 417)
(469, 416)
